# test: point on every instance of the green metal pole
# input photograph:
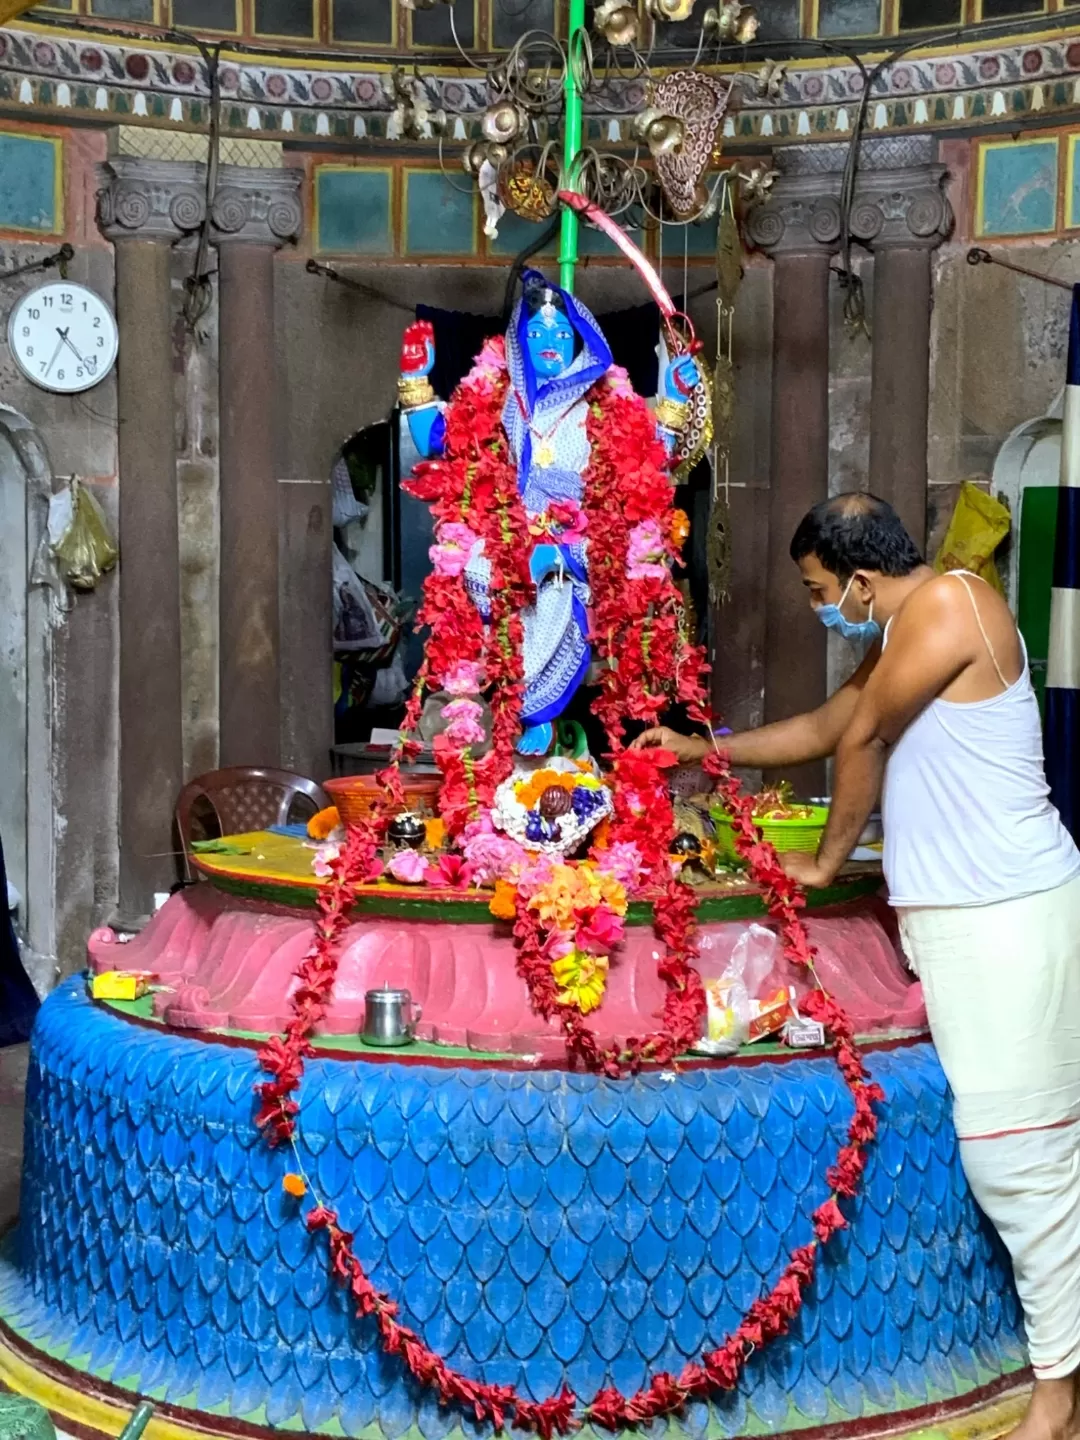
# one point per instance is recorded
(568, 235)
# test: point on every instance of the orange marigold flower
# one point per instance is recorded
(294, 1185)
(503, 903)
(601, 836)
(324, 823)
(680, 528)
(434, 834)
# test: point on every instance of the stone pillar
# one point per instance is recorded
(255, 211)
(798, 226)
(902, 214)
(143, 208)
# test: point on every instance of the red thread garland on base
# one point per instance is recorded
(637, 631)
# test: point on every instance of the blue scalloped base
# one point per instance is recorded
(538, 1229)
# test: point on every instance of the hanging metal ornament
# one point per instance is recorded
(525, 192)
(697, 101)
(729, 257)
(616, 22)
(670, 10)
(697, 435)
(723, 403)
(731, 23)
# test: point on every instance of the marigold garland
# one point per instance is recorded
(648, 664)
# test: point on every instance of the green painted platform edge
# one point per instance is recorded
(747, 906)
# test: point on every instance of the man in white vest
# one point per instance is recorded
(941, 721)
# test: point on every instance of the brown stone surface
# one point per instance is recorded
(795, 677)
(249, 698)
(151, 744)
(307, 710)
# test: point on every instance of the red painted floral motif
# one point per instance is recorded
(648, 665)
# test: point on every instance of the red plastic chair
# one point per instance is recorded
(241, 799)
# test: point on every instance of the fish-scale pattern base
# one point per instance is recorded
(539, 1229)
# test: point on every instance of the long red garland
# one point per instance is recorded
(636, 629)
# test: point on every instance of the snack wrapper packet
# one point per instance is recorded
(979, 524)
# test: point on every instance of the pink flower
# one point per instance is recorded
(465, 677)
(571, 520)
(618, 379)
(646, 552)
(623, 862)
(535, 874)
(456, 544)
(452, 872)
(492, 856)
(463, 722)
(325, 855)
(599, 931)
(409, 866)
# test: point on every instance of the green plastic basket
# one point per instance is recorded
(783, 835)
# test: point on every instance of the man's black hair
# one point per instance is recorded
(856, 532)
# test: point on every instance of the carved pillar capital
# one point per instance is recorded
(905, 207)
(801, 216)
(150, 199)
(166, 199)
(256, 207)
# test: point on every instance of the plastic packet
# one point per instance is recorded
(78, 536)
(978, 525)
(733, 1007)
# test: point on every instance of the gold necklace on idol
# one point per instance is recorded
(544, 450)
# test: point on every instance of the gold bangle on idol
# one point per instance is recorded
(670, 414)
(415, 391)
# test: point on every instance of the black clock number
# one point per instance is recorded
(29, 352)
(78, 374)
(46, 300)
(34, 314)
(97, 322)
(26, 329)
(59, 374)
(101, 342)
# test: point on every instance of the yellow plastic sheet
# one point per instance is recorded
(85, 550)
(978, 525)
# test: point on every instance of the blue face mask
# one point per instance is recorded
(550, 341)
(857, 631)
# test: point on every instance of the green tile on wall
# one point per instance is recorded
(1017, 187)
(30, 183)
(352, 209)
(515, 234)
(440, 214)
(692, 240)
(594, 242)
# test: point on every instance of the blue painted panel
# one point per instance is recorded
(1018, 188)
(440, 214)
(515, 233)
(352, 210)
(29, 183)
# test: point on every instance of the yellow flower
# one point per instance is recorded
(324, 823)
(581, 979)
(434, 833)
(554, 902)
(502, 904)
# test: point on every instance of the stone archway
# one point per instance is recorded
(27, 804)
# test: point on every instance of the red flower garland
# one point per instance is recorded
(637, 630)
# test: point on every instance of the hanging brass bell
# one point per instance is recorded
(617, 22)
(502, 122)
(670, 10)
(473, 157)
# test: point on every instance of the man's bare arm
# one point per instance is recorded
(812, 736)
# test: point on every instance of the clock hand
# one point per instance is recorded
(75, 352)
(56, 352)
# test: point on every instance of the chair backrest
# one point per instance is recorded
(245, 798)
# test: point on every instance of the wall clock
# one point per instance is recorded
(63, 337)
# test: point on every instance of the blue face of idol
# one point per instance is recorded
(550, 341)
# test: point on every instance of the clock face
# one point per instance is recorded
(63, 337)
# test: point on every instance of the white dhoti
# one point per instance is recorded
(1002, 989)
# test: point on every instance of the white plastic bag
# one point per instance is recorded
(731, 997)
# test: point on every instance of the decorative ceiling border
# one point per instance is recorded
(72, 74)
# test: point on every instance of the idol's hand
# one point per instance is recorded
(680, 378)
(418, 350)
